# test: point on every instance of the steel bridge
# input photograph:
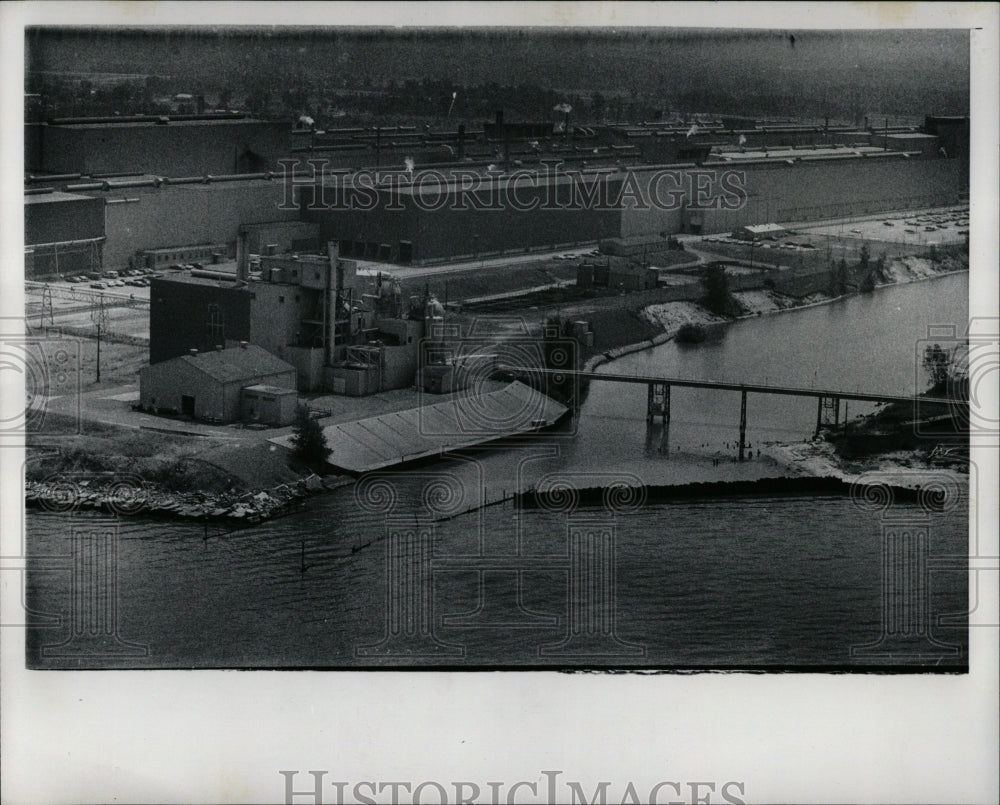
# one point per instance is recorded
(658, 397)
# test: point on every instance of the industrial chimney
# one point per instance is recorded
(331, 291)
(243, 256)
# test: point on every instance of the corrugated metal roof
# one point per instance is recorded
(390, 439)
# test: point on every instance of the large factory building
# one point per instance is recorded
(427, 218)
(193, 145)
(432, 218)
(804, 188)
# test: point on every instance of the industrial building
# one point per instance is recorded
(427, 221)
(430, 221)
(221, 385)
(790, 173)
(162, 214)
(63, 234)
(342, 332)
(185, 145)
(756, 232)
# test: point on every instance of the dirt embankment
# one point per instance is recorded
(669, 317)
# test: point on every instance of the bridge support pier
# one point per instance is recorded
(827, 412)
(658, 403)
(743, 423)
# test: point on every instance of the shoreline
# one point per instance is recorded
(638, 346)
(815, 459)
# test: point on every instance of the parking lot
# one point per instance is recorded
(813, 246)
(939, 227)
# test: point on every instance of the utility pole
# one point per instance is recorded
(99, 316)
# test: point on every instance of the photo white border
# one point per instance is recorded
(223, 736)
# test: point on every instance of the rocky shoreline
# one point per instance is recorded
(121, 499)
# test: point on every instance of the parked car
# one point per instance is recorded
(99, 285)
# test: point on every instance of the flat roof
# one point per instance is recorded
(187, 279)
(797, 153)
(131, 124)
(54, 197)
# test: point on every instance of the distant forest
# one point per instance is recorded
(346, 76)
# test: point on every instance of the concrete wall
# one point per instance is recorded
(400, 367)
(275, 315)
(186, 214)
(308, 363)
(177, 148)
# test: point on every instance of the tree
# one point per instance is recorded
(717, 296)
(937, 362)
(308, 439)
(838, 278)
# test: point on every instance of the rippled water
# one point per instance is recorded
(772, 581)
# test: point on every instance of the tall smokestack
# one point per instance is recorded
(243, 256)
(331, 295)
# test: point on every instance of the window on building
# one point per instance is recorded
(216, 324)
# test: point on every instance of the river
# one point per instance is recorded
(790, 582)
